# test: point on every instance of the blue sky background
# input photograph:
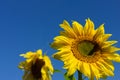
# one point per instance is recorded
(29, 25)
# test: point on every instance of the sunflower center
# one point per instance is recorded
(87, 48)
(36, 68)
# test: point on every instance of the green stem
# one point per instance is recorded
(79, 75)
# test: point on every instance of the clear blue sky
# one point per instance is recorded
(28, 25)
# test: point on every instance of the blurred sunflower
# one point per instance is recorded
(36, 66)
(86, 49)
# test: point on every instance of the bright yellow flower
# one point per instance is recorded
(86, 49)
(36, 66)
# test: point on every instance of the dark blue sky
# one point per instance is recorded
(28, 25)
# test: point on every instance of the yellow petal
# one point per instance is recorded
(27, 55)
(89, 28)
(61, 41)
(112, 56)
(99, 32)
(39, 52)
(108, 43)
(29, 60)
(61, 54)
(68, 60)
(21, 65)
(107, 64)
(79, 65)
(95, 71)
(117, 59)
(85, 68)
(106, 36)
(72, 67)
(78, 28)
(64, 33)
(48, 63)
(105, 70)
(45, 75)
(65, 25)
(111, 49)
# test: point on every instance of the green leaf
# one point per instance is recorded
(56, 70)
(69, 77)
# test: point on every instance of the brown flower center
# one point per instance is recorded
(36, 68)
(87, 48)
(86, 51)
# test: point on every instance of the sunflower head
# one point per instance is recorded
(86, 49)
(36, 66)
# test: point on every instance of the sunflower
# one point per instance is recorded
(86, 50)
(36, 66)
